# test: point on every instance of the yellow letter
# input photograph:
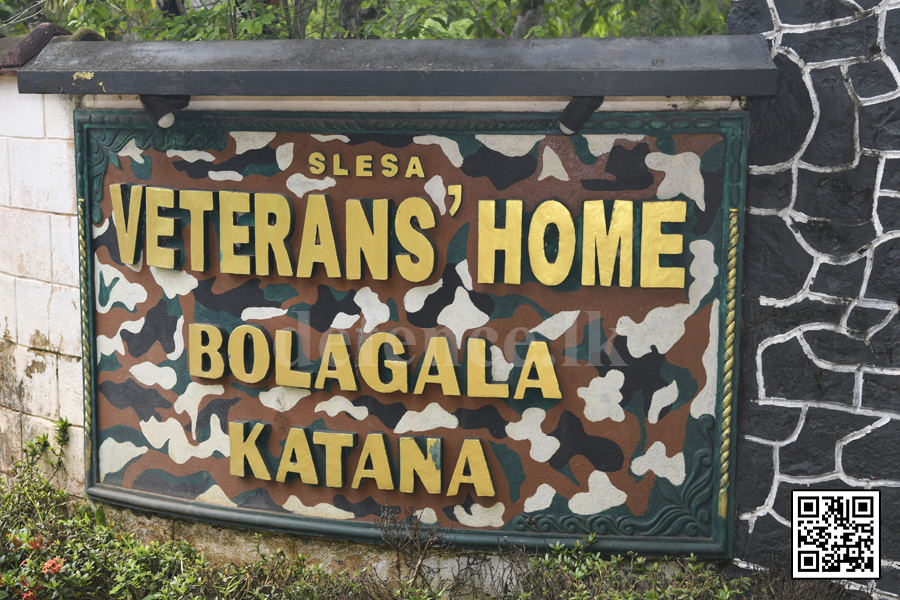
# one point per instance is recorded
(336, 353)
(437, 354)
(316, 163)
(427, 465)
(551, 212)
(297, 445)
(413, 240)
(199, 203)
(389, 162)
(375, 450)
(369, 359)
(231, 234)
(476, 372)
(414, 168)
(248, 344)
(274, 223)
(247, 448)
(160, 226)
(205, 357)
(127, 231)
(654, 242)
(363, 239)
(284, 353)
(507, 239)
(334, 454)
(338, 169)
(472, 454)
(538, 356)
(364, 165)
(318, 225)
(601, 247)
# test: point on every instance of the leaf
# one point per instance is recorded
(588, 22)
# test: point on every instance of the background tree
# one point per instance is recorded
(403, 19)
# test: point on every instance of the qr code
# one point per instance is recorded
(835, 534)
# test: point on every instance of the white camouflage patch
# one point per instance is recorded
(656, 460)
(601, 496)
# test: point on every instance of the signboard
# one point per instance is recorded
(297, 320)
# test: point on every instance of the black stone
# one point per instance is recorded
(779, 123)
(812, 453)
(881, 392)
(767, 321)
(842, 281)
(749, 16)
(846, 196)
(775, 264)
(876, 455)
(789, 373)
(879, 125)
(889, 213)
(890, 578)
(838, 348)
(890, 178)
(769, 538)
(856, 39)
(759, 323)
(835, 238)
(890, 537)
(769, 191)
(783, 505)
(863, 319)
(832, 142)
(885, 344)
(800, 12)
(754, 473)
(867, 4)
(871, 79)
(765, 421)
(885, 272)
(892, 34)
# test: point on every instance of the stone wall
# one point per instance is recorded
(820, 340)
(40, 320)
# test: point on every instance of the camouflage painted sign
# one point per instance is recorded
(295, 321)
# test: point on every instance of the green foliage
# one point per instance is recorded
(51, 549)
(393, 19)
(578, 574)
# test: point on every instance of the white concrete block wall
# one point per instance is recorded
(40, 310)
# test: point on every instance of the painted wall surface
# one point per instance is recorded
(820, 370)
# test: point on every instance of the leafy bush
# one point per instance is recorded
(52, 549)
(578, 574)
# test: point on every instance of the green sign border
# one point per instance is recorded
(700, 513)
